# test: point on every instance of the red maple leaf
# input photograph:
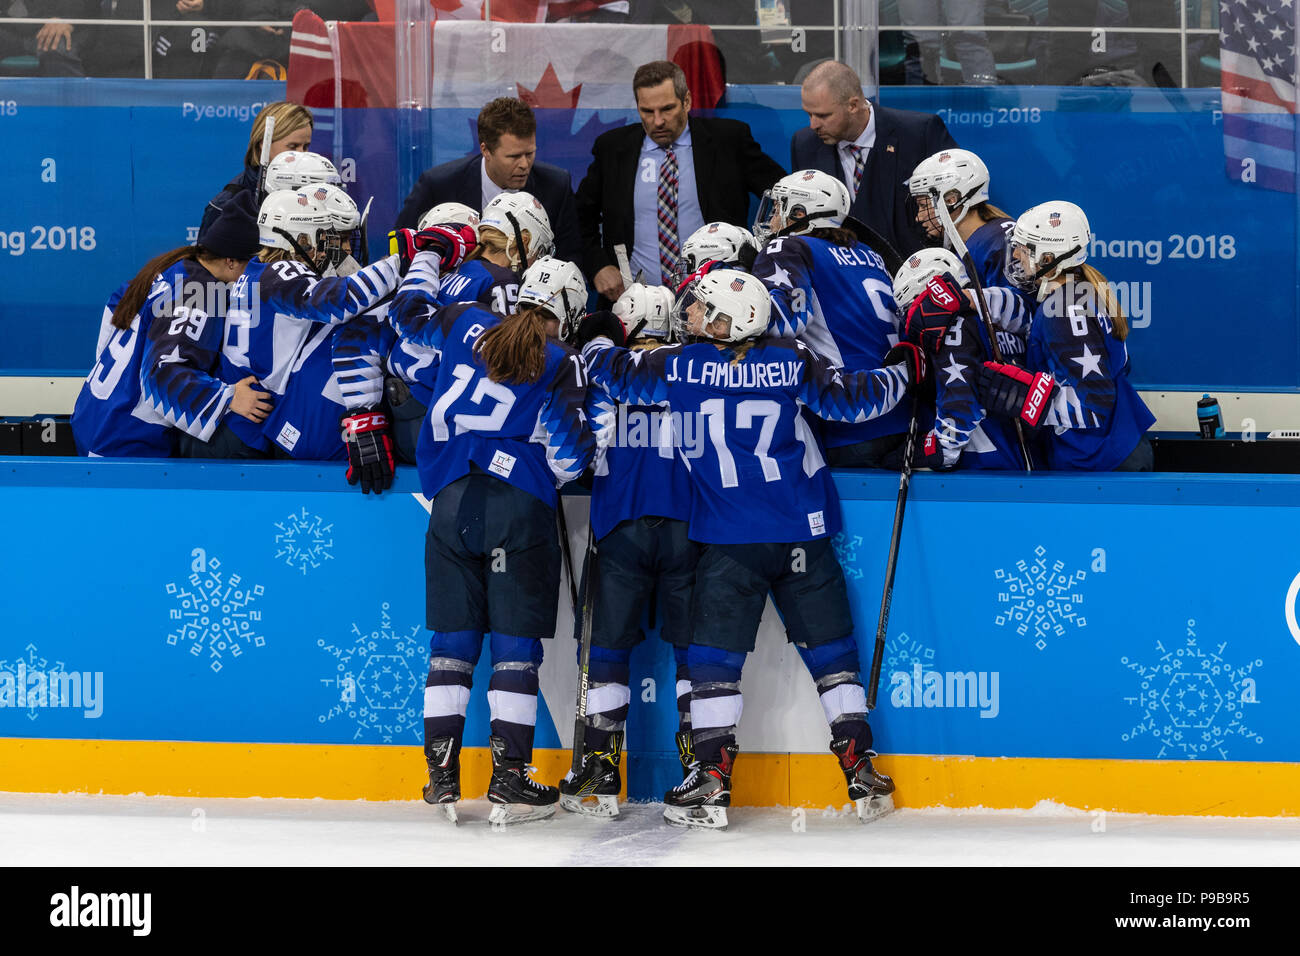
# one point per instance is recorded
(548, 94)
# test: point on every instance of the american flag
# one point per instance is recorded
(1257, 58)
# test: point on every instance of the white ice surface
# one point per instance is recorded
(81, 830)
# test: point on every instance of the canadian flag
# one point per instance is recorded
(565, 66)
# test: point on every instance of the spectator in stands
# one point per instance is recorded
(113, 51)
(505, 162)
(703, 169)
(293, 128)
(969, 46)
(247, 53)
(871, 149)
(51, 49)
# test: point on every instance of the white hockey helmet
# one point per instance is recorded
(294, 170)
(652, 304)
(714, 241)
(1058, 229)
(450, 213)
(513, 214)
(556, 286)
(324, 214)
(804, 200)
(949, 171)
(920, 268)
(724, 305)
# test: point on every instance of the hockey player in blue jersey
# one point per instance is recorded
(763, 507)
(1076, 379)
(283, 310)
(508, 427)
(169, 316)
(832, 293)
(942, 320)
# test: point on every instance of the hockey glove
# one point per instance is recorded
(929, 454)
(597, 324)
(912, 357)
(699, 273)
(370, 450)
(932, 312)
(452, 243)
(1008, 391)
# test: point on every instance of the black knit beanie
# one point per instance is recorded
(233, 234)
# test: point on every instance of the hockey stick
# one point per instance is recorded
(268, 133)
(584, 650)
(893, 261)
(568, 555)
(959, 246)
(887, 598)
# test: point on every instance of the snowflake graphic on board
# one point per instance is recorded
(379, 682)
(846, 549)
(1040, 598)
(215, 616)
(1192, 700)
(903, 654)
(20, 671)
(304, 541)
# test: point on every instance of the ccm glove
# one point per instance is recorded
(1009, 391)
(932, 312)
(910, 355)
(600, 323)
(370, 450)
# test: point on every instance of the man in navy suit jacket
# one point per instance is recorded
(846, 132)
(507, 133)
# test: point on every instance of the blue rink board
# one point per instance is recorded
(1106, 617)
(136, 161)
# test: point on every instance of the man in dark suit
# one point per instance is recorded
(507, 132)
(871, 149)
(651, 185)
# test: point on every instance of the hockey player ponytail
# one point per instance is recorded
(137, 291)
(1105, 295)
(515, 350)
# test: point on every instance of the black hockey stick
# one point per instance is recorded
(584, 649)
(887, 599)
(893, 261)
(564, 549)
(959, 245)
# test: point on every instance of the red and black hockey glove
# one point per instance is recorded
(1008, 391)
(931, 313)
(910, 355)
(370, 450)
(699, 273)
(929, 454)
(452, 243)
(600, 323)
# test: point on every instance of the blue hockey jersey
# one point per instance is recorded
(535, 436)
(157, 373)
(760, 476)
(280, 315)
(838, 300)
(1097, 417)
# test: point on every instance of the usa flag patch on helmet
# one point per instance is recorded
(737, 285)
(321, 193)
(1054, 219)
(303, 200)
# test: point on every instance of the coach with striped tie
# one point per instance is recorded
(871, 149)
(651, 185)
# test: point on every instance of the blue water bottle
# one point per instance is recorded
(1209, 418)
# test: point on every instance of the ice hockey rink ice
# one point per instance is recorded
(82, 830)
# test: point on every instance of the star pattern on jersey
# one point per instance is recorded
(779, 277)
(215, 616)
(1088, 363)
(955, 370)
(377, 683)
(1193, 701)
(172, 357)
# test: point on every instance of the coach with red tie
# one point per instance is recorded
(651, 185)
(871, 149)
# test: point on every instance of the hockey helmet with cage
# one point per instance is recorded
(556, 286)
(715, 242)
(513, 214)
(295, 170)
(920, 268)
(648, 304)
(946, 172)
(725, 305)
(804, 200)
(1059, 229)
(323, 215)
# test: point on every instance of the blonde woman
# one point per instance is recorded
(293, 129)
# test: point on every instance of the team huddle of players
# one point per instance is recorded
(706, 413)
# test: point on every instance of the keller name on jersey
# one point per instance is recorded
(723, 374)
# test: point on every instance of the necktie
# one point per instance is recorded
(669, 249)
(859, 164)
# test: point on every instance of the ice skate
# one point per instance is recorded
(685, 752)
(702, 799)
(593, 791)
(870, 791)
(443, 788)
(517, 797)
